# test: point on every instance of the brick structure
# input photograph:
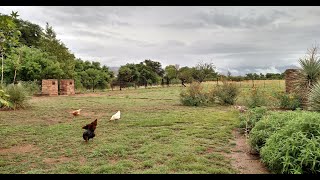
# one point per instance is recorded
(49, 87)
(67, 87)
(290, 76)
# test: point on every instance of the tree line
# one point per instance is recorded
(31, 53)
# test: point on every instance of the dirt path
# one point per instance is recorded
(242, 160)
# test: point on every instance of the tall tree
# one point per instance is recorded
(9, 37)
(155, 66)
(53, 46)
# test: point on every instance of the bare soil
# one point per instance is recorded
(242, 159)
(19, 149)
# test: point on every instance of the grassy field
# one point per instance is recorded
(155, 135)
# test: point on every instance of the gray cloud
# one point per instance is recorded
(239, 39)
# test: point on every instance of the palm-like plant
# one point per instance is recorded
(308, 74)
(314, 98)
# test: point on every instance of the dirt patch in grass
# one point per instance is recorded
(19, 149)
(56, 160)
(82, 160)
(242, 159)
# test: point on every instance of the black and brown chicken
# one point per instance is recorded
(90, 128)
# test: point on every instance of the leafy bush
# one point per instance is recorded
(31, 87)
(294, 149)
(288, 101)
(314, 98)
(193, 95)
(268, 125)
(17, 96)
(227, 93)
(250, 118)
(4, 99)
(256, 98)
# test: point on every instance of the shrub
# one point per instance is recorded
(256, 98)
(193, 95)
(17, 96)
(227, 93)
(250, 118)
(294, 149)
(288, 101)
(267, 126)
(31, 87)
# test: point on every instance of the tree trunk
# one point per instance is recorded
(15, 75)
(182, 82)
(92, 85)
(2, 71)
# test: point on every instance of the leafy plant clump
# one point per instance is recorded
(250, 118)
(17, 96)
(288, 101)
(193, 95)
(256, 98)
(294, 149)
(267, 126)
(227, 93)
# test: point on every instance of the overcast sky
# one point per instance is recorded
(240, 39)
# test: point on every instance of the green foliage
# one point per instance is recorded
(185, 75)
(314, 98)
(256, 98)
(294, 149)
(203, 71)
(193, 95)
(171, 72)
(249, 119)
(268, 125)
(31, 87)
(4, 102)
(17, 96)
(34, 65)
(288, 101)
(227, 93)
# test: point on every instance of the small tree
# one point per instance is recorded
(203, 71)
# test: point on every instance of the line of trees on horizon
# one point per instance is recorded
(31, 53)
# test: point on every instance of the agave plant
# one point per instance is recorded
(314, 98)
(308, 74)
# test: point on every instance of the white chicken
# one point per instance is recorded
(116, 116)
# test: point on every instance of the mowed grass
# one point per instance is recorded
(155, 135)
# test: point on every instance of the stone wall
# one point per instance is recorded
(49, 87)
(290, 76)
(67, 87)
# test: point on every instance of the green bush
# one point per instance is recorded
(193, 95)
(227, 93)
(256, 98)
(294, 149)
(4, 102)
(268, 125)
(251, 117)
(288, 101)
(31, 87)
(17, 95)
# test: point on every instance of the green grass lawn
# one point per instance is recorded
(155, 135)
